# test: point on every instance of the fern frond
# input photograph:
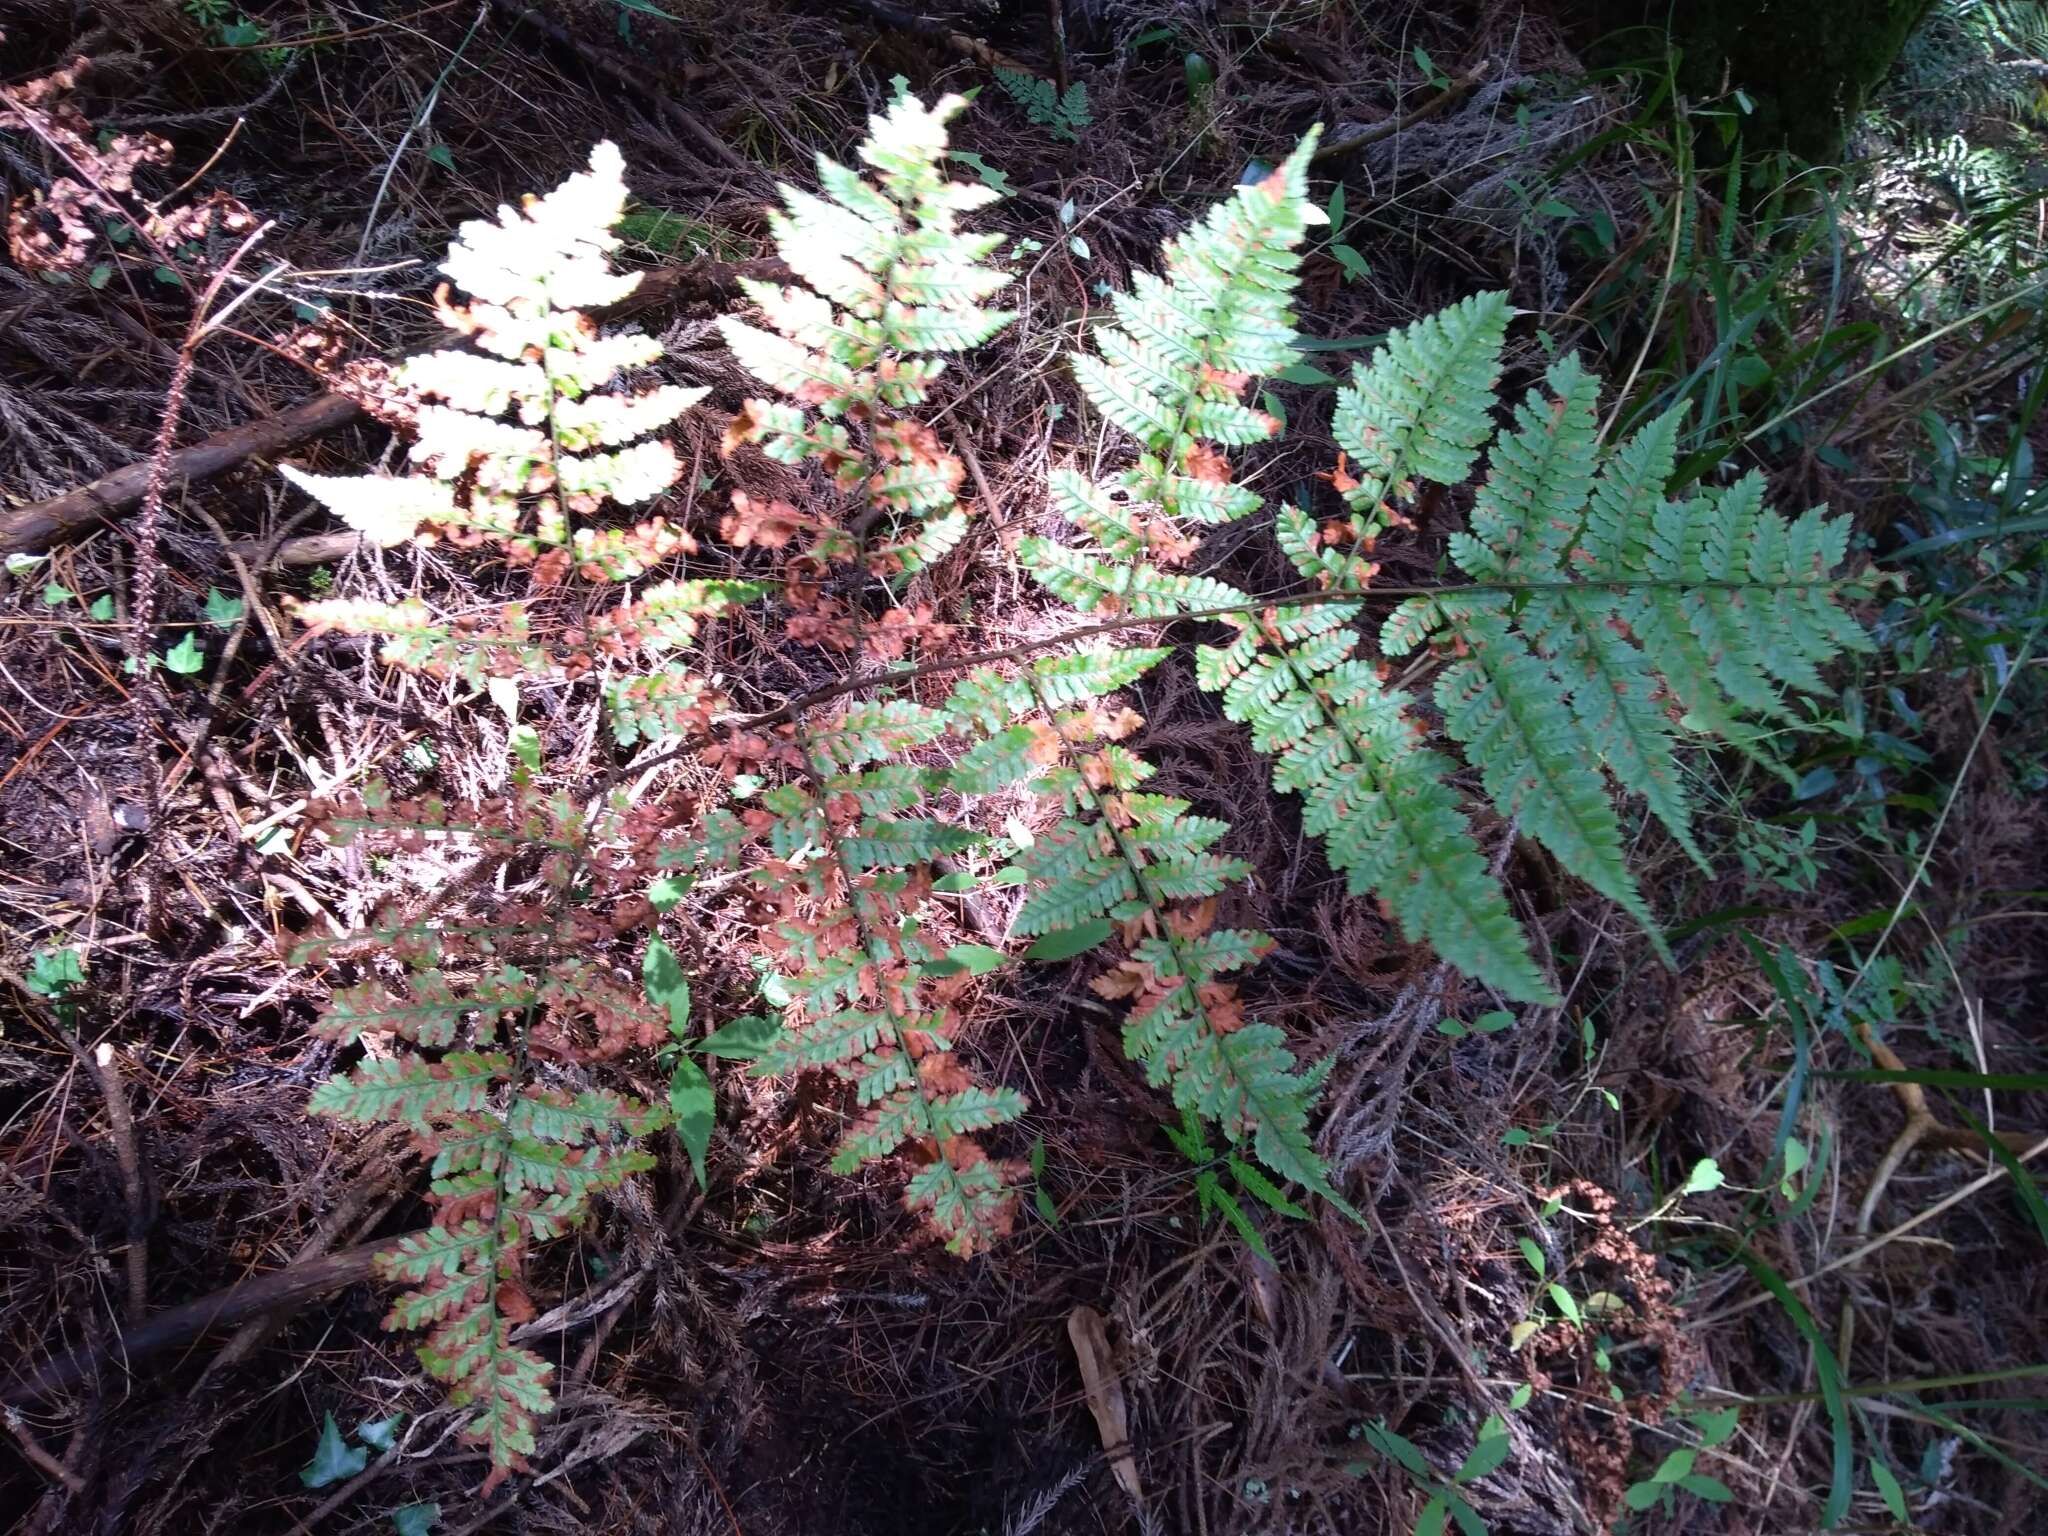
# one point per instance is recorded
(1142, 860)
(1171, 370)
(1418, 408)
(893, 288)
(1378, 798)
(851, 845)
(430, 1015)
(412, 1089)
(470, 650)
(529, 273)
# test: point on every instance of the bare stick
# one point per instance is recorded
(1344, 144)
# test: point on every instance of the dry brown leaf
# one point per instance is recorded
(1090, 1336)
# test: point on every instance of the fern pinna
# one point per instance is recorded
(1597, 610)
(891, 286)
(501, 1017)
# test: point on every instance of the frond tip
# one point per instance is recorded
(571, 442)
(890, 287)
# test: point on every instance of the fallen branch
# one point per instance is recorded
(1343, 144)
(42, 523)
(280, 1291)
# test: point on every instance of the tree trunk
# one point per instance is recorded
(1806, 65)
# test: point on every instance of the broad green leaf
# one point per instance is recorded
(415, 1519)
(185, 657)
(745, 1038)
(1889, 1490)
(1065, 943)
(1676, 1465)
(975, 959)
(690, 1096)
(1487, 1455)
(1466, 1516)
(1565, 1303)
(222, 610)
(1706, 1176)
(333, 1459)
(1712, 1489)
(1716, 1426)
(1398, 1448)
(667, 987)
(380, 1434)
(1533, 1252)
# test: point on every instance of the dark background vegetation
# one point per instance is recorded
(1823, 225)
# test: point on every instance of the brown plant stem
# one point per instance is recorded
(1343, 144)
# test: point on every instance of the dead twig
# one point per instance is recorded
(1343, 144)
(121, 1123)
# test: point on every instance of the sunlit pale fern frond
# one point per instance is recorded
(890, 288)
(518, 434)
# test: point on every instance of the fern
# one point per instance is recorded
(1121, 856)
(890, 287)
(568, 445)
(1065, 114)
(841, 858)
(497, 1027)
(1594, 606)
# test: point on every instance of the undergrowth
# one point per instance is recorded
(1600, 632)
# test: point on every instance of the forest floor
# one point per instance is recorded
(781, 1352)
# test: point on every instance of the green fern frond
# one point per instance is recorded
(1124, 856)
(1172, 368)
(1065, 113)
(430, 1015)
(1378, 798)
(415, 640)
(1419, 407)
(412, 1089)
